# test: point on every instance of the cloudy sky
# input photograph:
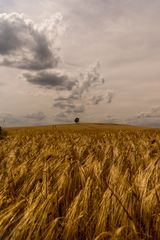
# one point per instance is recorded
(95, 59)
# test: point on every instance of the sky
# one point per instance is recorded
(93, 59)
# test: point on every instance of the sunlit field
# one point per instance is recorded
(84, 181)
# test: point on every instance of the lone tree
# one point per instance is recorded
(76, 120)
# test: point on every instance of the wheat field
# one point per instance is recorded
(85, 181)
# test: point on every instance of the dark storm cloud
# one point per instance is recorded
(50, 79)
(26, 45)
(39, 116)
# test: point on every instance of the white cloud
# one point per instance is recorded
(88, 90)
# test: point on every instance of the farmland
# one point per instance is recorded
(85, 181)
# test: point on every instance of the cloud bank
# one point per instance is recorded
(154, 112)
(148, 118)
(10, 119)
(39, 116)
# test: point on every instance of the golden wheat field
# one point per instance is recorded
(85, 181)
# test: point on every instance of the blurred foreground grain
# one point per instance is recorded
(85, 181)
